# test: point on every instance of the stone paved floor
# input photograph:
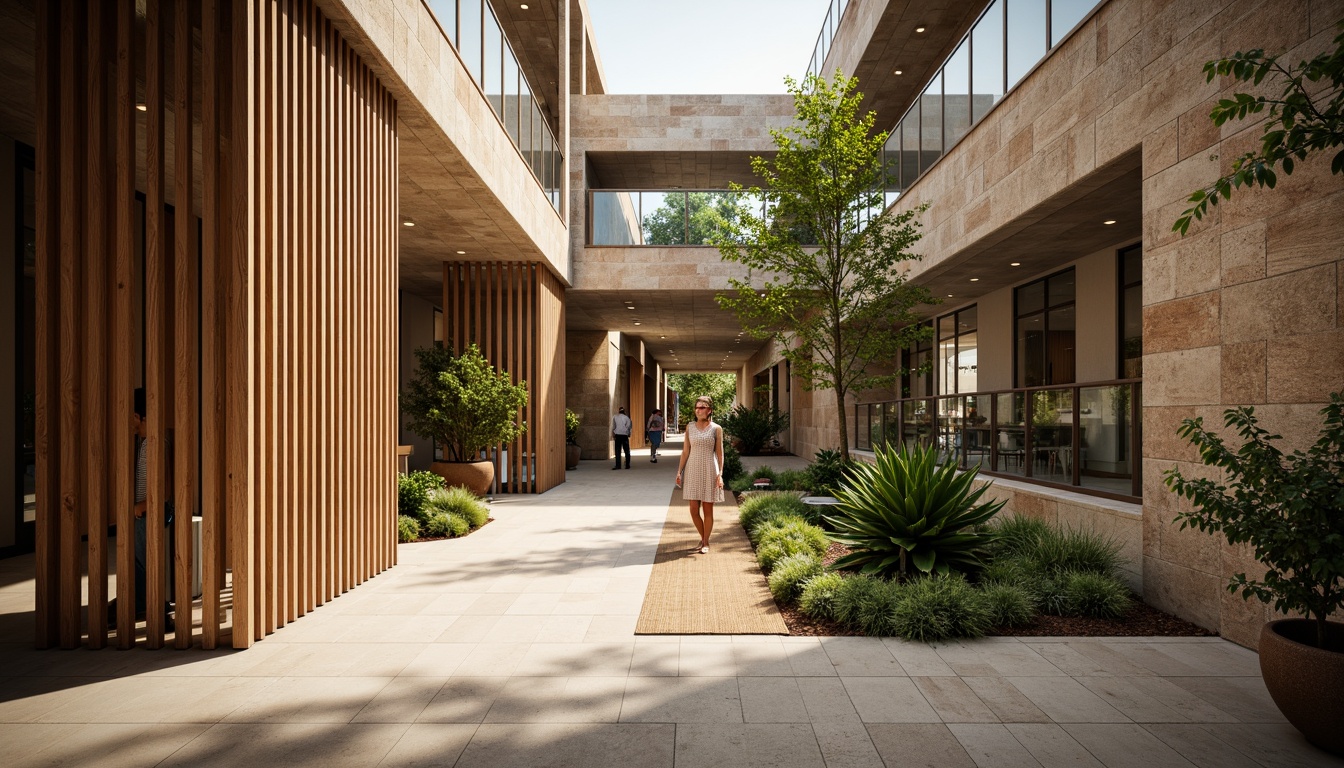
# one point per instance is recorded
(514, 647)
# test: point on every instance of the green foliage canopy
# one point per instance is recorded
(844, 304)
(694, 218)
(720, 387)
(1306, 117)
(462, 402)
(754, 427)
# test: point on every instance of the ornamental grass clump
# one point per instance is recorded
(408, 528)
(789, 574)
(761, 505)
(1094, 595)
(1009, 604)
(819, 593)
(413, 491)
(461, 502)
(447, 525)
(860, 599)
(776, 549)
(939, 607)
(905, 514)
(813, 538)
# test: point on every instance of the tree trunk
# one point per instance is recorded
(844, 424)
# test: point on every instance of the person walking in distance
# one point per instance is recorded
(700, 473)
(621, 427)
(654, 431)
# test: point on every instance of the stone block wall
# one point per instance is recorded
(1246, 309)
(588, 377)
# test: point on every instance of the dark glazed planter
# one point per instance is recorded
(573, 453)
(475, 476)
(1305, 681)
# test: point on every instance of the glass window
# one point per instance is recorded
(956, 95)
(445, 12)
(539, 132)
(544, 172)
(1010, 433)
(492, 78)
(910, 147)
(470, 30)
(1060, 340)
(987, 63)
(511, 94)
(1031, 298)
(1026, 37)
(1060, 288)
(524, 119)
(931, 125)
(614, 219)
(1045, 333)
(663, 217)
(1065, 15)
(1104, 444)
(1131, 312)
(958, 355)
(891, 160)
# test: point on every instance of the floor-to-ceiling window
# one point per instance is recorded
(1045, 330)
(1131, 312)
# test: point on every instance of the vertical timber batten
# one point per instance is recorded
(269, 206)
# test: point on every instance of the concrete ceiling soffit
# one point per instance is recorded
(534, 35)
(672, 170)
(683, 330)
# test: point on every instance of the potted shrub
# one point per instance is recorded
(1290, 510)
(573, 453)
(466, 406)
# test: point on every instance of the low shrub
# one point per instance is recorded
(446, 524)
(740, 485)
(939, 607)
(1009, 604)
(765, 472)
(826, 473)
(818, 597)
(791, 480)
(790, 527)
(461, 502)
(732, 463)
(875, 614)
(413, 491)
(771, 552)
(756, 508)
(1017, 535)
(1073, 549)
(789, 574)
(859, 595)
(408, 528)
(1094, 595)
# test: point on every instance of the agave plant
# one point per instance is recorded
(905, 513)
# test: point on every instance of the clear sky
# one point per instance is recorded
(704, 46)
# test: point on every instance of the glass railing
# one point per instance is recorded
(835, 10)
(1003, 45)
(1085, 436)
(472, 28)
(671, 217)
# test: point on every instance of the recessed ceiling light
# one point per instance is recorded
(1110, 221)
(949, 295)
(523, 6)
(461, 253)
(638, 323)
(919, 30)
(975, 279)
(1014, 263)
(408, 223)
(631, 308)
(898, 72)
(662, 337)
(142, 107)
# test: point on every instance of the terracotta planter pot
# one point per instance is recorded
(573, 454)
(475, 476)
(1305, 681)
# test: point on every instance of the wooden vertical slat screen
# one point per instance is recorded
(514, 312)
(270, 217)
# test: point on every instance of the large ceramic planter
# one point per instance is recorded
(475, 476)
(573, 454)
(1306, 681)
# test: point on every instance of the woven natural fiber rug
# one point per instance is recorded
(721, 593)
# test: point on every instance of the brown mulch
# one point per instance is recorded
(1143, 620)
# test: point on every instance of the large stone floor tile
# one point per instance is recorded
(1007, 703)
(917, 658)
(309, 700)
(993, 656)
(1133, 702)
(105, 744)
(437, 660)
(654, 659)
(576, 659)
(429, 745)
(761, 656)
(681, 700)
(492, 660)
(1200, 746)
(1244, 698)
(889, 700)
(338, 659)
(27, 699)
(771, 700)
(1125, 746)
(558, 700)
(463, 700)
(289, 744)
(1275, 745)
(401, 701)
(1065, 700)
(954, 701)
(707, 659)
(912, 745)
(1052, 746)
(827, 701)
(1084, 658)
(992, 746)
(846, 745)
(861, 657)
(624, 745)
(747, 746)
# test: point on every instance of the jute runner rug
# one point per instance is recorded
(721, 593)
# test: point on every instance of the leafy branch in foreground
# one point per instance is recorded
(1300, 122)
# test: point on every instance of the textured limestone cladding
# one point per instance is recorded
(1248, 308)
(677, 123)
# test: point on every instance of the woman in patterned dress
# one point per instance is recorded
(700, 473)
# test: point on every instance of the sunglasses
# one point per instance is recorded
(702, 407)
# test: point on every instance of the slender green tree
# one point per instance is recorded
(1305, 118)
(721, 388)
(842, 305)
(693, 218)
